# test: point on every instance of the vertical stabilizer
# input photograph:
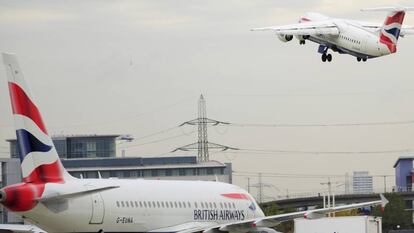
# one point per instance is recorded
(39, 160)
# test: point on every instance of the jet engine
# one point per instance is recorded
(285, 38)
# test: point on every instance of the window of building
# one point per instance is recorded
(154, 172)
(168, 172)
(181, 172)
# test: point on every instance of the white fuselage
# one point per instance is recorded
(353, 39)
(142, 206)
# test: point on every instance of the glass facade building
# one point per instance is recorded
(88, 146)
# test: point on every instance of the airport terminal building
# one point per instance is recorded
(94, 156)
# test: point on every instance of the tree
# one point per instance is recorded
(285, 227)
(394, 213)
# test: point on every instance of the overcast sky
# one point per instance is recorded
(138, 67)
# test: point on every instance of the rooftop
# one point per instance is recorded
(403, 158)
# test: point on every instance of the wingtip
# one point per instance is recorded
(8, 57)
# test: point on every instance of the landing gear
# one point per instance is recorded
(301, 42)
(361, 59)
(326, 57)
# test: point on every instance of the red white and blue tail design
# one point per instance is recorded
(390, 31)
(39, 160)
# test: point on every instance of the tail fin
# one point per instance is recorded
(390, 31)
(39, 160)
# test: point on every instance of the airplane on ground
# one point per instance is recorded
(364, 40)
(50, 198)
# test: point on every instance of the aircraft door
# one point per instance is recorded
(98, 209)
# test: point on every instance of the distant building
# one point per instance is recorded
(362, 183)
(404, 174)
(79, 146)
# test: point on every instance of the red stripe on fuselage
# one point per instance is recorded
(236, 196)
(23, 105)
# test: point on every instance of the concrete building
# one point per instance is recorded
(94, 156)
(404, 174)
(362, 182)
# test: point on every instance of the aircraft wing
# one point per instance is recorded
(326, 27)
(274, 220)
(20, 228)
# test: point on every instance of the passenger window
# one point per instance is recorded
(162, 204)
(215, 206)
(145, 204)
(171, 204)
(175, 204)
(122, 204)
(149, 204)
(117, 204)
(179, 204)
(184, 205)
(211, 205)
(189, 205)
(153, 204)
(136, 204)
(195, 204)
(127, 204)
(158, 204)
(225, 205)
(202, 205)
(234, 206)
(221, 205)
(131, 203)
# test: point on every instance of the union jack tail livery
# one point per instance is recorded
(390, 31)
(39, 160)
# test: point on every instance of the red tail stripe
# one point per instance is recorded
(397, 18)
(46, 173)
(22, 105)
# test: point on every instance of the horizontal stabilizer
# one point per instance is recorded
(61, 196)
(391, 8)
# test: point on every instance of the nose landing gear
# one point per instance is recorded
(361, 59)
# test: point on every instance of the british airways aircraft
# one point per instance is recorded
(50, 198)
(364, 40)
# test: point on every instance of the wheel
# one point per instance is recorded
(358, 59)
(364, 59)
(324, 57)
(329, 57)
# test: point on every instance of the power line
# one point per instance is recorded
(157, 141)
(270, 152)
(295, 125)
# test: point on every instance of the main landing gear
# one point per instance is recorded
(326, 57)
(363, 59)
(301, 42)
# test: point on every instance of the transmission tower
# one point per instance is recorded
(203, 145)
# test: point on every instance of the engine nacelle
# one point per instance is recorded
(302, 37)
(285, 38)
(314, 215)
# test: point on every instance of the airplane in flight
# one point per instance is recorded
(50, 198)
(363, 40)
